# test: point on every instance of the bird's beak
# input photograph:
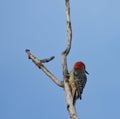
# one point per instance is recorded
(86, 72)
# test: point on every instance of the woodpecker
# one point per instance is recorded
(77, 80)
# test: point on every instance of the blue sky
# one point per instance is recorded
(25, 91)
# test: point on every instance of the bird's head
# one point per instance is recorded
(80, 65)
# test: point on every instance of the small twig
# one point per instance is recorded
(43, 68)
(47, 59)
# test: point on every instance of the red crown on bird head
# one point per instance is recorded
(79, 65)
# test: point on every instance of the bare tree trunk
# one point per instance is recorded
(69, 98)
(65, 83)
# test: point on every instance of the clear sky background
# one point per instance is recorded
(40, 25)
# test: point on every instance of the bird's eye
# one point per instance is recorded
(77, 71)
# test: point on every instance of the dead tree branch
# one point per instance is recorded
(43, 68)
(69, 98)
(65, 82)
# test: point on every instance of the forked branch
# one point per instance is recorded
(40, 65)
(65, 82)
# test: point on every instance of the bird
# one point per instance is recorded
(77, 80)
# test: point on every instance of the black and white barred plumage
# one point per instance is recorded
(78, 80)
